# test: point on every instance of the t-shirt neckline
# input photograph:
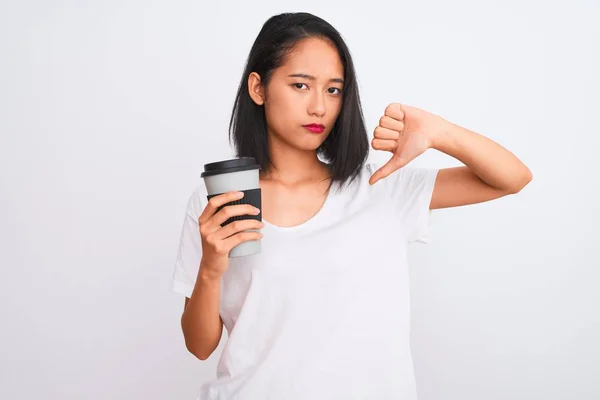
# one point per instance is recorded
(312, 220)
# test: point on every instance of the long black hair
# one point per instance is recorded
(347, 146)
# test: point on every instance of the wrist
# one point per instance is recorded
(206, 275)
(441, 138)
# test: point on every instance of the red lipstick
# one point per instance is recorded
(315, 128)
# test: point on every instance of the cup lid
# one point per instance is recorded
(228, 166)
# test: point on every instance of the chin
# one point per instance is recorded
(312, 146)
(306, 142)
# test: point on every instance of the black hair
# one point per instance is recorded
(347, 146)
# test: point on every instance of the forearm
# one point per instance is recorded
(491, 162)
(201, 322)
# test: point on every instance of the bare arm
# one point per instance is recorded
(201, 323)
(490, 171)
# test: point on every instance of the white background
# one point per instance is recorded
(109, 109)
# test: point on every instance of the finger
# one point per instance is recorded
(386, 133)
(232, 211)
(241, 237)
(391, 123)
(395, 111)
(215, 202)
(238, 226)
(384, 145)
(392, 165)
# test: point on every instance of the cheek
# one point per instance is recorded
(281, 101)
(276, 114)
(334, 109)
(281, 109)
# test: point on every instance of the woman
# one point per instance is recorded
(323, 311)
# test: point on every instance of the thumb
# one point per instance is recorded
(392, 165)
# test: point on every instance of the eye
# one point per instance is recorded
(298, 85)
(334, 88)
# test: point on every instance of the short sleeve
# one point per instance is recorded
(411, 190)
(189, 252)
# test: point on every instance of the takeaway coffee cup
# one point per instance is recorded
(236, 175)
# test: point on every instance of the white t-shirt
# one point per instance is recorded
(323, 311)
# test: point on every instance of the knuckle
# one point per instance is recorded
(213, 203)
(220, 248)
(247, 235)
(393, 110)
(237, 225)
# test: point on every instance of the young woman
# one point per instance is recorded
(323, 311)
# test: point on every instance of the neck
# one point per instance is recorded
(291, 165)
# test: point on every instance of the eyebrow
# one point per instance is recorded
(306, 76)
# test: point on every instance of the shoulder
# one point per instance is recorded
(405, 181)
(401, 175)
(405, 174)
(358, 186)
(197, 201)
(371, 166)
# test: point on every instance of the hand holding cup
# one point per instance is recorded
(218, 240)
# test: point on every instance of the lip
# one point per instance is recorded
(315, 128)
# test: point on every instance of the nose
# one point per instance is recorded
(317, 104)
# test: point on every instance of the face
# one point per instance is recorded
(306, 90)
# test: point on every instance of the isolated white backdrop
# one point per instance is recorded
(108, 110)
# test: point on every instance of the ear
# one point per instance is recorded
(255, 88)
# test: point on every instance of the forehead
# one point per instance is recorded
(316, 57)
